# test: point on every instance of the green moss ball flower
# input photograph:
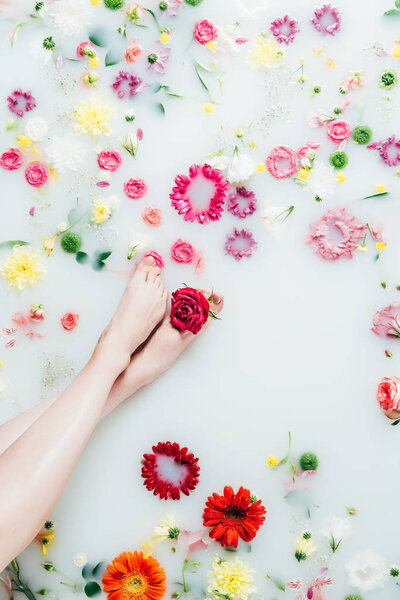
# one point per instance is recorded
(193, 2)
(113, 4)
(388, 79)
(362, 134)
(308, 461)
(71, 243)
(353, 597)
(338, 160)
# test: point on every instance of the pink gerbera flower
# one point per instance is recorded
(242, 203)
(326, 19)
(180, 195)
(389, 150)
(20, 102)
(284, 29)
(350, 230)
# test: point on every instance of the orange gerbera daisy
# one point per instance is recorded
(133, 577)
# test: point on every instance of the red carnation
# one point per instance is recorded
(233, 516)
(189, 309)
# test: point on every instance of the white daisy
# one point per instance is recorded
(65, 153)
(70, 16)
(367, 571)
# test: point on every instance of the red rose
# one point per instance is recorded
(204, 32)
(11, 159)
(69, 321)
(338, 131)
(189, 309)
(109, 160)
(388, 396)
(135, 188)
(36, 174)
(182, 252)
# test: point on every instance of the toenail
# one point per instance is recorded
(149, 260)
(217, 299)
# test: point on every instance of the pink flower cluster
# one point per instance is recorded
(235, 200)
(350, 230)
(326, 19)
(284, 29)
(386, 322)
(389, 150)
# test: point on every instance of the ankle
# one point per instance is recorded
(109, 355)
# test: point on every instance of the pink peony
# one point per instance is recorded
(157, 258)
(350, 230)
(152, 216)
(282, 162)
(109, 160)
(133, 51)
(182, 252)
(69, 321)
(135, 188)
(338, 131)
(387, 321)
(11, 159)
(388, 396)
(36, 174)
(204, 32)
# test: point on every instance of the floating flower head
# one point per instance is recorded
(326, 19)
(275, 216)
(70, 16)
(240, 243)
(389, 150)
(22, 267)
(131, 576)
(388, 79)
(20, 102)
(128, 84)
(388, 396)
(386, 322)
(133, 51)
(152, 216)
(182, 202)
(65, 153)
(282, 162)
(338, 131)
(11, 159)
(350, 230)
(158, 58)
(367, 571)
(242, 203)
(265, 52)
(36, 174)
(336, 530)
(102, 209)
(182, 251)
(205, 32)
(93, 117)
(109, 160)
(137, 243)
(238, 169)
(304, 547)
(36, 129)
(284, 29)
(231, 579)
(233, 516)
(167, 530)
(362, 134)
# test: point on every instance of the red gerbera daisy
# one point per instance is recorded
(233, 516)
(170, 470)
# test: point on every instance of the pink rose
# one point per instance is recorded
(11, 159)
(36, 174)
(338, 131)
(69, 321)
(282, 162)
(204, 32)
(152, 216)
(388, 396)
(109, 160)
(189, 309)
(85, 49)
(135, 188)
(387, 321)
(157, 257)
(182, 252)
(133, 51)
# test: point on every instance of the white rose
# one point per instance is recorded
(37, 129)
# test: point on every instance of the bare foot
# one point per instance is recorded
(160, 352)
(141, 308)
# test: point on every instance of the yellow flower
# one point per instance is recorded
(380, 246)
(252, 143)
(95, 2)
(272, 460)
(261, 168)
(49, 243)
(231, 578)
(304, 174)
(211, 46)
(165, 37)
(24, 140)
(381, 188)
(22, 267)
(209, 107)
(101, 211)
(265, 52)
(331, 63)
(45, 540)
(93, 117)
(341, 177)
(147, 548)
(396, 52)
(93, 61)
(240, 132)
(318, 50)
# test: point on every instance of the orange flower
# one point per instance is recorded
(133, 51)
(133, 577)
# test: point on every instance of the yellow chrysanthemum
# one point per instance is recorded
(265, 52)
(95, 2)
(209, 107)
(272, 460)
(24, 140)
(396, 52)
(93, 117)
(341, 177)
(22, 267)
(380, 246)
(101, 211)
(381, 188)
(211, 46)
(304, 174)
(261, 168)
(165, 37)
(231, 578)
(93, 61)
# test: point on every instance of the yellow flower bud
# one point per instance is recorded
(209, 107)
(380, 246)
(93, 61)
(396, 52)
(381, 188)
(304, 174)
(261, 168)
(341, 177)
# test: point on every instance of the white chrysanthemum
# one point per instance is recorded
(80, 559)
(167, 530)
(36, 128)
(367, 571)
(231, 578)
(70, 16)
(65, 153)
(322, 181)
(238, 169)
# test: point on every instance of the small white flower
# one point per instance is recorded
(137, 243)
(36, 128)
(80, 559)
(336, 531)
(238, 169)
(367, 571)
(274, 217)
(65, 153)
(322, 181)
(62, 226)
(70, 16)
(130, 143)
(167, 530)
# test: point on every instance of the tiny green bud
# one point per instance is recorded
(317, 89)
(49, 43)
(39, 6)
(307, 535)
(163, 5)
(337, 110)
(48, 566)
(152, 58)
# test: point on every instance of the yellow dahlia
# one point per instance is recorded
(265, 52)
(22, 267)
(93, 117)
(229, 578)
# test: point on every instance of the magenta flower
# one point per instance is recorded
(240, 243)
(387, 321)
(180, 195)
(158, 58)
(350, 230)
(235, 205)
(326, 19)
(127, 83)
(20, 102)
(389, 150)
(284, 29)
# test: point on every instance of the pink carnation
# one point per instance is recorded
(204, 32)
(388, 396)
(157, 258)
(135, 188)
(152, 216)
(282, 162)
(387, 321)
(338, 131)
(11, 159)
(350, 230)
(133, 51)
(109, 160)
(36, 174)
(182, 252)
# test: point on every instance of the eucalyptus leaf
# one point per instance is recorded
(393, 12)
(99, 37)
(97, 569)
(395, 423)
(87, 569)
(92, 588)
(81, 258)
(113, 57)
(103, 255)
(203, 83)
(12, 243)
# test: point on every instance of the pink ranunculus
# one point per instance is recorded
(282, 162)
(205, 31)
(11, 159)
(109, 160)
(182, 252)
(304, 150)
(36, 174)
(338, 131)
(84, 49)
(133, 51)
(69, 321)
(135, 188)
(388, 396)
(157, 257)
(152, 216)
(387, 321)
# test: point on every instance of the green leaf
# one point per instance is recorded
(81, 258)
(161, 107)
(392, 13)
(12, 243)
(97, 569)
(99, 37)
(375, 195)
(92, 588)
(103, 255)
(203, 83)
(395, 423)
(87, 569)
(154, 17)
(278, 583)
(397, 3)
(203, 67)
(113, 57)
